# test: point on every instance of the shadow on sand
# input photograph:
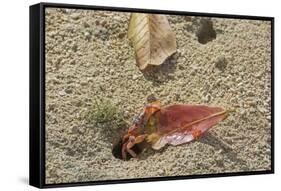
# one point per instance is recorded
(218, 144)
(162, 73)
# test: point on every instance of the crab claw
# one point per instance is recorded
(132, 146)
(127, 147)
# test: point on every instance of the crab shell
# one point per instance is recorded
(181, 123)
(174, 125)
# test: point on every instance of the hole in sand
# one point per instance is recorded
(206, 32)
(117, 150)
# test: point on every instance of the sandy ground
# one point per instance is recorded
(88, 57)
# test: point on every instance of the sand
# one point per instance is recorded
(88, 58)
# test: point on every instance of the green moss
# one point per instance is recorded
(104, 112)
(105, 115)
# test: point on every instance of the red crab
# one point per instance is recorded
(173, 125)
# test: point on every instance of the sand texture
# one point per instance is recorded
(89, 59)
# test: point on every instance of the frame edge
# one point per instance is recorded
(35, 130)
(36, 169)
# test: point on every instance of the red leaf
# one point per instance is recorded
(179, 124)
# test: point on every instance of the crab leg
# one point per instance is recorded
(130, 144)
(140, 138)
(124, 148)
(132, 153)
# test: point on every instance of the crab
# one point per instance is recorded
(174, 125)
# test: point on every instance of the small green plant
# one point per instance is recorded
(104, 113)
(107, 118)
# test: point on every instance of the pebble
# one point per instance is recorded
(97, 22)
(75, 130)
(251, 102)
(87, 35)
(252, 110)
(188, 18)
(242, 112)
(68, 91)
(126, 114)
(221, 63)
(84, 83)
(160, 171)
(117, 18)
(135, 77)
(52, 33)
(72, 62)
(62, 93)
(86, 25)
(181, 67)
(103, 23)
(74, 47)
(101, 33)
(111, 71)
(121, 35)
(207, 98)
(251, 94)
(177, 96)
(69, 28)
(261, 109)
(220, 151)
(75, 16)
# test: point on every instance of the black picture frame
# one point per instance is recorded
(37, 94)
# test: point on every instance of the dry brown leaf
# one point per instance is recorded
(152, 38)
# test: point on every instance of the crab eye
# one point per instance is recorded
(136, 119)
